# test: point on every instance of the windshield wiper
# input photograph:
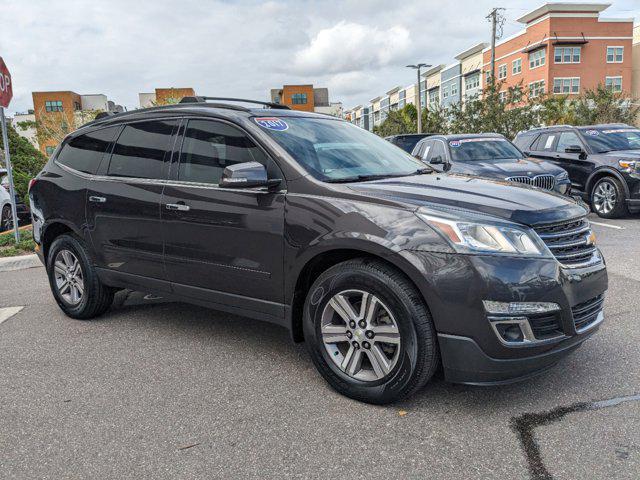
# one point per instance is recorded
(377, 176)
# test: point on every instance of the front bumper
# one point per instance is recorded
(455, 286)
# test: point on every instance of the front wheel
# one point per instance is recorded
(6, 219)
(369, 332)
(608, 198)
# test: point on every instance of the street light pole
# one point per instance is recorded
(419, 96)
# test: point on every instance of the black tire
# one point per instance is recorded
(418, 357)
(614, 185)
(96, 298)
(6, 221)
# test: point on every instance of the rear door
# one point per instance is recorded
(545, 146)
(123, 202)
(223, 245)
(577, 165)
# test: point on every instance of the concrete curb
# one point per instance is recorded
(21, 262)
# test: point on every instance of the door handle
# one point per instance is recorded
(95, 199)
(178, 206)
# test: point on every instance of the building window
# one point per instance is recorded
(454, 89)
(299, 99)
(537, 58)
(536, 88)
(49, 149)
(502, 71)
(614, 83)
(434, 96)
(53, 106)
(445, 91)
(472, 82)
(566, 55)
(615, 54)
(566, 85)
(516, 66)
(276, 99)
(77, 106)
(502, 96)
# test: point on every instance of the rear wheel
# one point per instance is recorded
(369, 333)
(608, 198)
(73, 280)
(6, 219)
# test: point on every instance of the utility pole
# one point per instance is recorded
(419, 96)
(497, 20)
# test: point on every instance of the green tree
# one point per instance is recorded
(398, 122)
(603, 105)
(26, 160)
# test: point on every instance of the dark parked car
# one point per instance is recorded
(384, 267)
(490, 155)
(6, 215)
(407, 141)
(603, 162)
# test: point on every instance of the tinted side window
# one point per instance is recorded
(545, 142)
(567, 139)
(437, 151)
(141, 149)
(84, 153)
(525, 141)
(209, 147)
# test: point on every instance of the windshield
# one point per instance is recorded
(602, 141)
(482, 149)
(333, 150)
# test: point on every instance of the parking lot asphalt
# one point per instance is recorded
(166, 390)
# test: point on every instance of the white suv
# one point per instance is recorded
(6, 217)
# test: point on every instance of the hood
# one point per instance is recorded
(630, 154)
(504, 168)
(505, 200)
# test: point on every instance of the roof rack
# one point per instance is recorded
(199, 99)
(104, 115)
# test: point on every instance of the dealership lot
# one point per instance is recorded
(165, 390)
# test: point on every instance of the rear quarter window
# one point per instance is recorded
(84, 153)
(525, 141)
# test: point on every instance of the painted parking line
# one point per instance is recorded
(8, 312)
(607, 225)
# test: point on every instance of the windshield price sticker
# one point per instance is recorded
(621, 130)
(272, 123)
(457, 143)
(593, 133)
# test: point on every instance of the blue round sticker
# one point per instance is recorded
(272, 123)
(455, 143)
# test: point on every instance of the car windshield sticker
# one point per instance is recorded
(272, 123)
(457, 143)
(594, 133)
(549, 142)
(454, 143)
(622, 130)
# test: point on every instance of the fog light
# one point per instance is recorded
(510, 332)
(519, 308)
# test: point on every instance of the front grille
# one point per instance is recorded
(585, 313)
(546, 326)
(570, 242)
(546, 182)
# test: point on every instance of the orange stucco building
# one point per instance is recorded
(60, 105)
(565, 48)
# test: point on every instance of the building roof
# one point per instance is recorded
(394, 90)
(566, 7)
(433, 70)
(471, 51)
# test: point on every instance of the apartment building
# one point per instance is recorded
(164, 96)
(60, 112)
(24, 124)
(563, 48)
(566, 48)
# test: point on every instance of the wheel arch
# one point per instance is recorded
(324, 258)
(52, 230)
(605, 172)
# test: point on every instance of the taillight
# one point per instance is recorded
(32, 182)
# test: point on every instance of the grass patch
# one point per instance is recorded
(9, 247)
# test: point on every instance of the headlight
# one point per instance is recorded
(469, 237)
(562, 176)
(629, 165)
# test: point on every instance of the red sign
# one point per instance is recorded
(6, 90)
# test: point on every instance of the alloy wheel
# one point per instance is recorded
(605, 197)
(360, 335)
(68, 277)
(7, 219)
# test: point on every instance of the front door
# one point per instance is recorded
(576, 164)
(223, 245)
(123, 201)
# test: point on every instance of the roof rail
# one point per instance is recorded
(104, 115)
(199, 99)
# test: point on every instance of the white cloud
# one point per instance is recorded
(349, 47)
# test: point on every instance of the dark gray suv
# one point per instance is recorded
(387, 269)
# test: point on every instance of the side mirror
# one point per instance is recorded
(574, 149)
(247, 175)
(437, 160)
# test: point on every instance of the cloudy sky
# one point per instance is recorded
(357, 48)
